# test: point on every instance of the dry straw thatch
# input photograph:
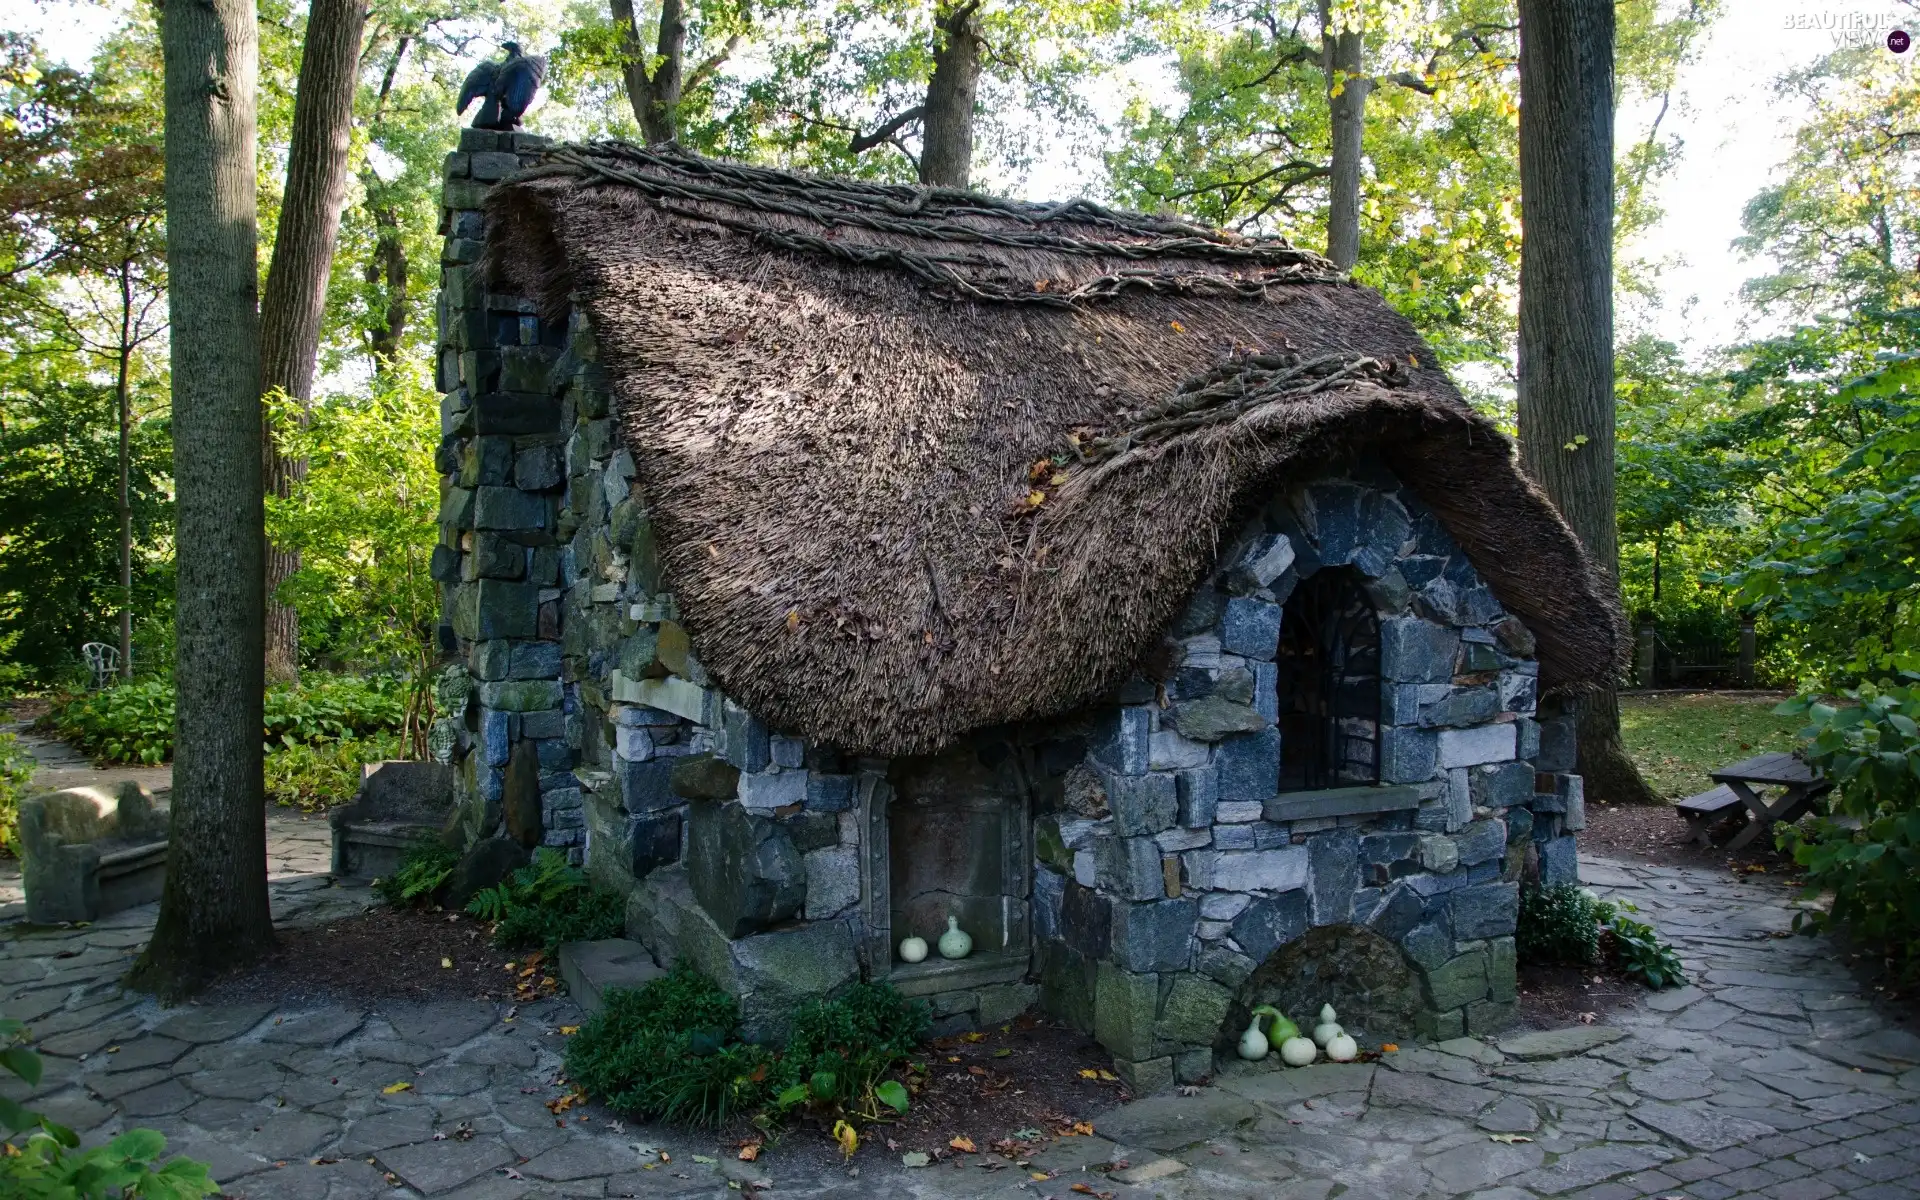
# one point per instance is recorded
(921, 462)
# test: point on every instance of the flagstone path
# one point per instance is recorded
(1770, 1076)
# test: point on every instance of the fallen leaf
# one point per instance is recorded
(1508, 1139)
(793, 619)
(976, 1070)
(848, 1137)
(1177, 327)
(704, 1158)
(1083, 1128)
(569, 1030)
(1109, 1077)
(512, 1174)
(750, 1151)
(1039, 1175)
(446, 964)
(915, 1158)
(392, 1088)
(1034, 500)
(1089, 1073)
(1002, 1053)
(963, 1144)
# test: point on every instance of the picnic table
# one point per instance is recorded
(1740, 788)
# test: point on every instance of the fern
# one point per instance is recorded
(547, 902)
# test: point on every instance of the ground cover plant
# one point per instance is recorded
(1866, 852)
(133, 723)
(313, 776)
(424, 869)
(547, 902)
(1676, 738)
(1569, 925)
(16, 773)
(42, 1159)
(670, 1051)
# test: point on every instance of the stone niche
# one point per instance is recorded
(1368, 979)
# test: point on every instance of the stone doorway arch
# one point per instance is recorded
(1368, 980)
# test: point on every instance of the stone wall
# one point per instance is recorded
(1172, 866)
(1148, 864)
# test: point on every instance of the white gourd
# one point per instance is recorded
(1298, 1051)
(1253, 1043)
(1342, 1049)
(1328, 1028)
(913, 949)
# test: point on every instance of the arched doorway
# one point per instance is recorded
(1328, 680)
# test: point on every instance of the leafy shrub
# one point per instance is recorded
(134, 721)
(47, 1161)
(423, 870)
(1568, 924)
(1868, 852)
(667, 1051)
(314, 777)
(840, 1049)
(547, 902)
(16, 772)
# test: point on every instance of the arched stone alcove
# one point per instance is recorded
(1366, 978)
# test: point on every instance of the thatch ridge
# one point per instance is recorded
(909, 482)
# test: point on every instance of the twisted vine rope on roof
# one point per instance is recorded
(1230, 391)
(919, 213)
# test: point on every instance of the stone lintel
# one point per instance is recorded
(1340, 802)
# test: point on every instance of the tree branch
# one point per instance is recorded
(712, 63)
(862, 142)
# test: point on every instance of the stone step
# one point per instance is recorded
(590, 969)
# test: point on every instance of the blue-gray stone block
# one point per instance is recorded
(1129, 867)
(1559, 862)
(1481, 841)
(1501, 785)
(491, 783)
(1428, 946)
(1266, 690)
(1199, 795)
(1336, 521)
(554, 754)
(1049, 894)
(1402, 910)
(535, 660)
(1122, 742)
(1407, 755)
(640, 714)
(1086, 920)
(1142, 804)
(1251, 627)
(508, 508)
(550, 723)
(1271, 922)
(1235, 837)
(1558, 744)
(829, 793)
(495, 737)
(1485, 910)
(786, 751)
(1248, 766)
(1334, 864)
(1156, 936)
(747, 741)
(1414, 650)
(1526, 736)
(644, 786)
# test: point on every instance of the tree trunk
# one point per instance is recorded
(213, 911)
(296, 294)
(1566, 404)
(123, 401)
(1343, 59)
(655, 99)
(388, 270)
(946, 151)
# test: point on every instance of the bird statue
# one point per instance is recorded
(507, 86)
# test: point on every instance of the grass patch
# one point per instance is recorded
(1677, 738)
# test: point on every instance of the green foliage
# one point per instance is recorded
(423, 871)
(841, 1048)
(1571, 925)
(1868, 852)
(134, 722)
(667, 1051)
(16, 772)
(313, 777)
(547, 902)
(43, 1161)
(1557, 925)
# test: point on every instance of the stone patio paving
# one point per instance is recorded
(1771, 1076)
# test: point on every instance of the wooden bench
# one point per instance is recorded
(1708, 809)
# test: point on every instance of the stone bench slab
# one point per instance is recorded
(591, 969)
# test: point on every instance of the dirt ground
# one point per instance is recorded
(1658, 834)
(410, 954)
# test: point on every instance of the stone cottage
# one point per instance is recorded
(830, 558)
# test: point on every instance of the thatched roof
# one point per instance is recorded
(921, 461)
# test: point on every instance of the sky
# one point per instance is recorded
(1734, 129)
